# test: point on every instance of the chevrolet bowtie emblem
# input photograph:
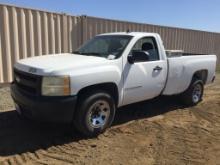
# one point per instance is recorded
(32, 70)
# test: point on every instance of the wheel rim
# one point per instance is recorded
(197, 93)
(99, 113)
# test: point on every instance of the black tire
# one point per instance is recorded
(85, 121)
(19, 113)
(189, 97)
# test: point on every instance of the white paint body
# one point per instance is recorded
(136, 82)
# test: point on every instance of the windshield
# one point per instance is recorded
(109, 46)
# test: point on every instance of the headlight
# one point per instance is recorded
(55, 86)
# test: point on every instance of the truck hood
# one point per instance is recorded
(44, 65)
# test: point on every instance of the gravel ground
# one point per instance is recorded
(6, 103)
(160, 131)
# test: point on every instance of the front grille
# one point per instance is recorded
(27, 82)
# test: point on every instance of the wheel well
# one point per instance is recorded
(110, 88)
(201, 75)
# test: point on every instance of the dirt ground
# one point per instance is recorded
(160, 131)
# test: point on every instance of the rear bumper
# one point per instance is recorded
(44, 109)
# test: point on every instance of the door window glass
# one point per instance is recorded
(149, 45)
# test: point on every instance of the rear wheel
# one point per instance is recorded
(193, 95)
(95, 113)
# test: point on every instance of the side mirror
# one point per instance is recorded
(138, 56)
(130, 59)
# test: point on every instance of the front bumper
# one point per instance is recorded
(44, 109)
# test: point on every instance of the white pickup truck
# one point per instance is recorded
(109, 71)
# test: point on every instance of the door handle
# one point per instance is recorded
(158, 68)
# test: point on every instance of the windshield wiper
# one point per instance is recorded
(86, 53)
(76, 52)
(90, 53)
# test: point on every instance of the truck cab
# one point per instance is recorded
(111, 70)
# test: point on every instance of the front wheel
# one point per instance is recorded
(95, 113)
(193, 95)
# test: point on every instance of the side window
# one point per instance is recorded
(147, 44)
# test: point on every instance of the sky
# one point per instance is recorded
(191, 14)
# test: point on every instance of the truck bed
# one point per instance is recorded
(182, 68)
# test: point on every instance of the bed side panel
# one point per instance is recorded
(182, 69)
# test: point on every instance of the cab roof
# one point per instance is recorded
(130, 33)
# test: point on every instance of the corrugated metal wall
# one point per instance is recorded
(191, 41)
(27, 32)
